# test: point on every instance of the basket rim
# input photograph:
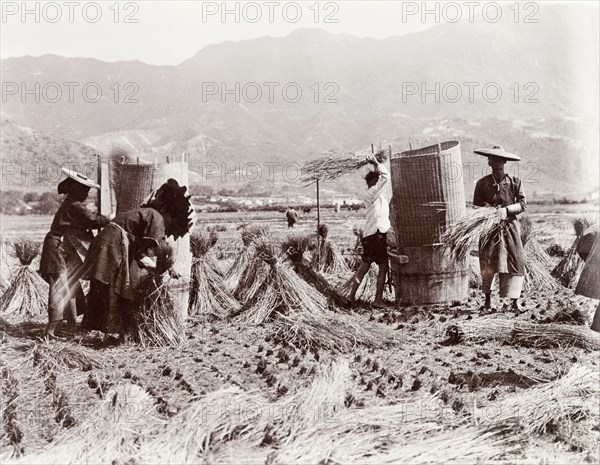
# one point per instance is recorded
(430, 150)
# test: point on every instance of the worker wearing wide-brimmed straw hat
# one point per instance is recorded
(503, 254)
(65, 247)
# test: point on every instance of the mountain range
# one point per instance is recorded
(355, 91)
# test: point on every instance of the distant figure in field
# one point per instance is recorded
(589, 250)
(504, 255)
(292, 217)
(65, 248)
(377, 225)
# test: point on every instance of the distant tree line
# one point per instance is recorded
(29, 203)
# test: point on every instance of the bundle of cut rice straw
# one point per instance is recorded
(512, 331)
(536, 260)
(479, 224)
(335, 165)
(330, 331)
(157, 322)
(208, 296)
(27, 293)
(569, 268)
(63, 356)
(280, 288)
(233, 277)
(328, 258)
(294, 247)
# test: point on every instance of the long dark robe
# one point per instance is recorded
(504, 252)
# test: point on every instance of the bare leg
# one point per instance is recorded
(515, 305)
(358, 277)
(381, 277)
(51, 329)
(596, 321)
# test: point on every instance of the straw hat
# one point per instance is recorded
(80, 178)
(499, 152)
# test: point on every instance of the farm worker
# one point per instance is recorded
(129, 243)
(64, 250)
(292, 217)
(589, 281)
(503, 254)
(377, 225)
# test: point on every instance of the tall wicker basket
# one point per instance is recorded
(136, 181)
(428, 195)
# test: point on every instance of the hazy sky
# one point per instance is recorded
(168, 32)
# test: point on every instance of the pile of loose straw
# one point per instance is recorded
(208, 297)
(27, 293)
(115, 432)
(569, 269)
(336, 165)
(464, 236)
(565, 408)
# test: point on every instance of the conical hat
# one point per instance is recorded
(80, 178)
(498, 151)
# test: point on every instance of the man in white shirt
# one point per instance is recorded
(377, 225)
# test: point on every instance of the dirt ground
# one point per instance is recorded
(39, 403)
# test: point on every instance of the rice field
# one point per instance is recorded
(430, 384)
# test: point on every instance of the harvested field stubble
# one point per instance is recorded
(416, 401)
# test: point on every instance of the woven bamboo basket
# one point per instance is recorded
(428, 195)
(181, 247)
(135, 185)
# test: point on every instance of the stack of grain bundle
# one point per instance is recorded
(27, 293)
(208, 296)
(569, 268)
